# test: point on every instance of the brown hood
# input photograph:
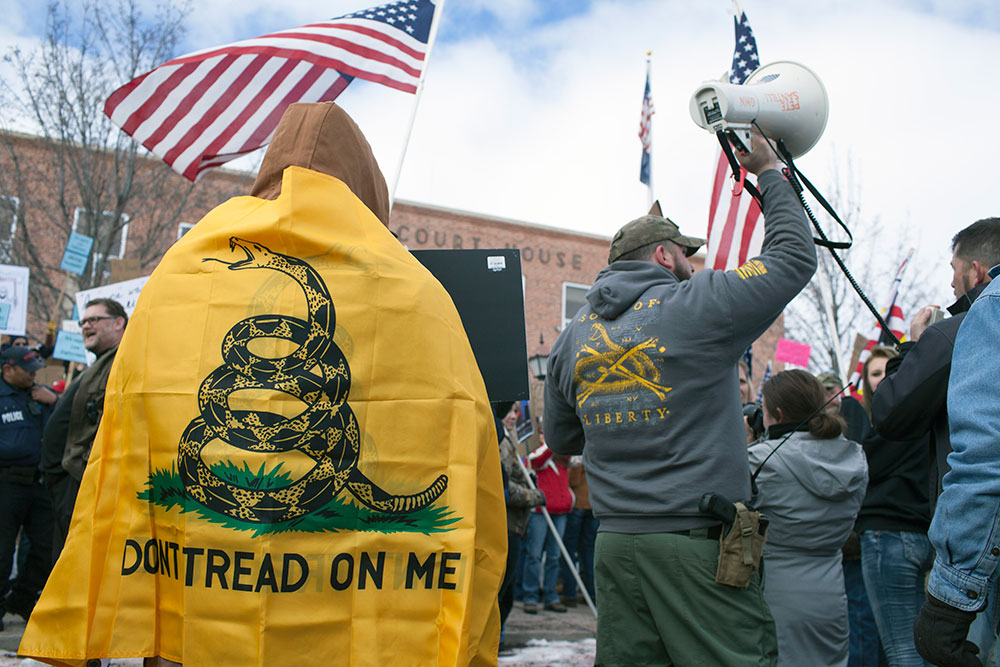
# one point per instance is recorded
(322, 137)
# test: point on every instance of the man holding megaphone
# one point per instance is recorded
(643, 382)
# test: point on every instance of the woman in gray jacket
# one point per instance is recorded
(810, 488)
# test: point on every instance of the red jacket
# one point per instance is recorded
(553, 481)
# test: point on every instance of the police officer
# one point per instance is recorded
(24, 409)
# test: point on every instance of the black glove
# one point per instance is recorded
(940, 633)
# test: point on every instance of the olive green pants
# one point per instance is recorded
(658, 604)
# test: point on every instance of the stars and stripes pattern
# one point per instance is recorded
(646, 134)
(733, 232)
(205, 108)
(896, 323)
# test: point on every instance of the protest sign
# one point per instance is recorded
(77, 253)
(126, 293)
(793, 353)
(124, 269)
(14, 299)
(525, 426)
(69, 347)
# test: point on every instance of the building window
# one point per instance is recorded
(574, 298)
(84, 223)
(183, 228)
(8, 218)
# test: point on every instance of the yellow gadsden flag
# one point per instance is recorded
(297, 463)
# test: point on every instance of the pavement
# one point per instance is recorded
(524, 633)
(10, 636)
(577, 623)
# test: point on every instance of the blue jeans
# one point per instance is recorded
(865, 647)
(579, 538)
(540, 541)
(895, 566)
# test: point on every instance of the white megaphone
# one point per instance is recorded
(787, 100)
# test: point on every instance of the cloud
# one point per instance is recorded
(531, 107)
(970, 13)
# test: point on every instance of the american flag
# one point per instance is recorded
(894, 318)
(208, 107)
(646, 133)
(733, 233)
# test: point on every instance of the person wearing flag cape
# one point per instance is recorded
(297, 462)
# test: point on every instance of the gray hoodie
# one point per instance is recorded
(811, 490)
(646, 376)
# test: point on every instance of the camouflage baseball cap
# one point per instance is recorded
(651, 228)
(829, 380)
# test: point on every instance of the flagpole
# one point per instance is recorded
(432, 38)
(649, 188)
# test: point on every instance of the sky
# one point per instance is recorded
(530, 108)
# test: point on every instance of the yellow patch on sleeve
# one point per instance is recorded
(754, 267)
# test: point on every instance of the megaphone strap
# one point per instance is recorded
(793, 178)
(740, 182)
(793, 175)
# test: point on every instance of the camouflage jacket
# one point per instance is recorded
(520, 494)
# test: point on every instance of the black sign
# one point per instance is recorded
(485, 286)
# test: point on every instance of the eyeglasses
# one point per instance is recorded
(93, 320)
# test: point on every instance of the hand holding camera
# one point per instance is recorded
(925, 317)
(753, 415)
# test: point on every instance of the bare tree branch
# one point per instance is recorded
(831, 322)
(57, 92)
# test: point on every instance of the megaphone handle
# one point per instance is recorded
(728, 150)
(739, 178)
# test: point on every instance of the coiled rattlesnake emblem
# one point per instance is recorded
(317, 374)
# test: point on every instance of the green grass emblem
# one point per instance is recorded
(165, 489)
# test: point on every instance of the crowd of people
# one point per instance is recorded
(538, 573)
(839, 536)
(45, 438)
(811, 529)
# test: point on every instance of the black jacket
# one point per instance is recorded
(912, 400)
(898, 472)
(22, 419)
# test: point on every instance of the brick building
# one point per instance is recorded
(135, 209)
(43, 206)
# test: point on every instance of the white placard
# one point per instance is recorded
(126, 293)
(14, 293)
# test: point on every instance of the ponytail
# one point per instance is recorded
(826, 425)
(798, 395)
